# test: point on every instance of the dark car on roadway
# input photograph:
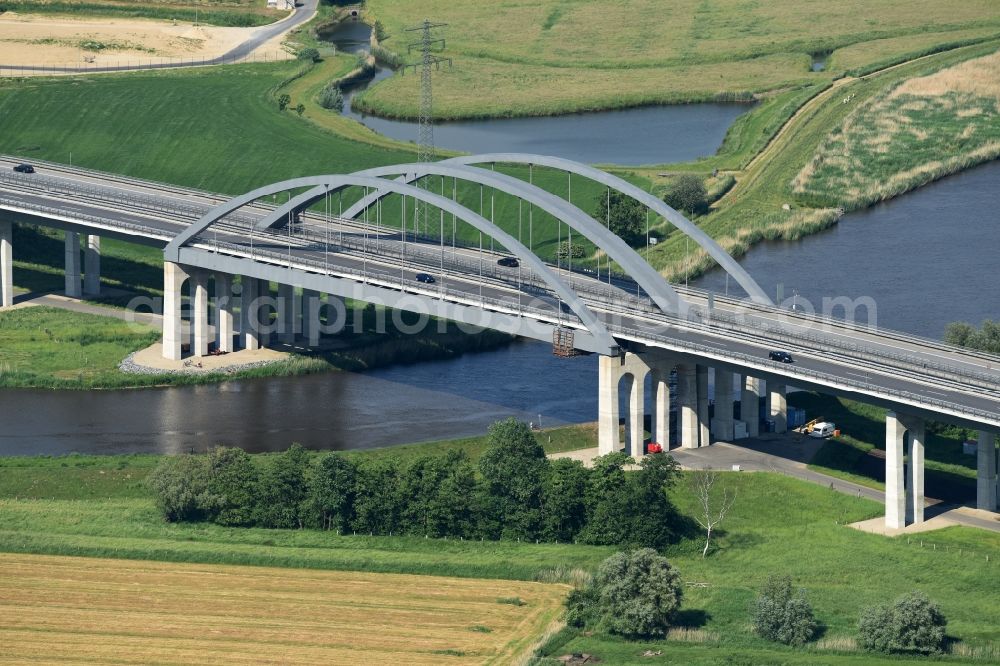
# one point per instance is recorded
(509, 262)
(426, 278)
(24, 168)
(781, 356)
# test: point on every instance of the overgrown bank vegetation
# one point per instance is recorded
(924, 128)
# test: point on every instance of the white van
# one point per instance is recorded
(823, 429)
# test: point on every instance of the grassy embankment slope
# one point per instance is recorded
(98, 506)
(779, 175)
(103, 610)
(229, 13)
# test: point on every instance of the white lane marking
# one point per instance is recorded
(936, 392)
(857, 374)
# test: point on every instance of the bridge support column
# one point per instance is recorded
(310, 316)
(687, 405)
(778, 405)
(224, 312)
(173, 291)
(636, 416)
(915, 475)
(199, 313)
(92, 266)
(73, 265)
(286, 313)
(6, 264)
(609, 374)
(249, 313)
(750, 405)
(661, 405)
(704, 431)
(986, 472)
(722, 425)
(895, 498)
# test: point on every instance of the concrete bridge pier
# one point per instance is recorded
(173, 283)
(750, 405)
(199, 313)
(986, 472)
(904, 492)
(92, 266)
(224, 312)
(661, 404)
(722, 424)
(6, 264)
(688, 427)
(249, 311)
(73, 286)
(311, 304)
(778, 405)
(287, 313)
(611, 370)
(704, 418)
(608, 376)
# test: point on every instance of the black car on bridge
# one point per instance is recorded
(24, 168)
(426, 278)
(781, 357)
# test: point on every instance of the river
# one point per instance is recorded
(926, 258)
(645, 135)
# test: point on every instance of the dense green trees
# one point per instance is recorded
(635, 595)
(514, 493)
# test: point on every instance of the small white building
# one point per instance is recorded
(281, 4)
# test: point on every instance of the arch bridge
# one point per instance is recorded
(676, 340)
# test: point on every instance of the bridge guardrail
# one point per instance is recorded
(806, 372)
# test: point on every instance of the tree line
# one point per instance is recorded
(514, 493)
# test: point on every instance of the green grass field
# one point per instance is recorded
(212, 12)
(555, 56)
(778, 525)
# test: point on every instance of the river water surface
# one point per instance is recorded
(646, 135)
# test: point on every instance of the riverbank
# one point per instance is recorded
(46, 347)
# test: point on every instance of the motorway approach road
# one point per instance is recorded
(304, 11)
(880, 366)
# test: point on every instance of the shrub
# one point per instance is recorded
(283, 101)
(635, 595)
(388, 58)
(687, 193)
(232, 479)
(332, 98)
(622, 214)
(781, 615)
(180, 485)
(566, 250)
(311, 54)
(912, 624)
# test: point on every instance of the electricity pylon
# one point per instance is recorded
(425, 137)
